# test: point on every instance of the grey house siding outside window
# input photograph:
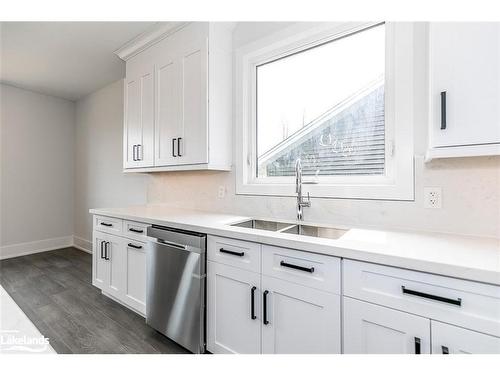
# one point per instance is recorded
(348, 139)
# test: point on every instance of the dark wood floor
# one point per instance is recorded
(54, 289)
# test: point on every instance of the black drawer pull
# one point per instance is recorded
(443, 110)
(106, 224)
(134, 246)
(417, 345)
(136, 230)
(240, 254)
(457, 302)
(445, 349)
(252, 303)
(266, 322)
(295, 267)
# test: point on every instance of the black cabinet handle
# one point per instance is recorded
(264, 303)
(295, 267)
(457, 302)
(240, 254)
(173, 148)
(445, 349)
(102, 249)
(135, 230)
(106, 249)
(106, 224)
(134, 246)
(179, 146)
(443, 110)
(252, 303)
(139, 157)
(417, 345)
(133, 152)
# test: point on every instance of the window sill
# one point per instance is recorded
(329, 191)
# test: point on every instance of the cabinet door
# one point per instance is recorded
(169, 107)
(465, 63)
(231, 327)
(193, 146)
(116, 258)
(100, 266)
(373, 329)
(139, 119)
(135, 285)
(300, 320)
(448, 339)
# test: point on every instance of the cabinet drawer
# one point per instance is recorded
(464, 303)
(108, 224)
(135, 230)
(236, 253)
(312, 270)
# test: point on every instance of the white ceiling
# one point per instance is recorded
(64, 59)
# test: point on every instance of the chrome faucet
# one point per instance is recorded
(301, 201)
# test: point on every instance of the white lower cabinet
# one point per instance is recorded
(449, 339)
(389, 310)
(232, 325)
(299, 319)
(108, 261)
(250, 312)
(373, 329)
(134, 292)
(100, 266)
(119, 269)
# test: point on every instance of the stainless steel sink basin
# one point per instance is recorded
(315, 231)
(299, 229)
(273, 226)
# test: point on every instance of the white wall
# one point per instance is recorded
(100, 181)
(37, 175)
(471, 186)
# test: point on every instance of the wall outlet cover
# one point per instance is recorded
(433, 197)
(221, 193)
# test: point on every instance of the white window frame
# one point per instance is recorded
(398, 181)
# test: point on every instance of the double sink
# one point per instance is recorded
(300, 229)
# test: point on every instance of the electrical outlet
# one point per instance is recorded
(221, 192)
(433, 197)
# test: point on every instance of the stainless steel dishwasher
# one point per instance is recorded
(176, 285)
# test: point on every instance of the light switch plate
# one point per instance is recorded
(433, 197)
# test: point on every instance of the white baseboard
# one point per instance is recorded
(26, 248)
(82, 244)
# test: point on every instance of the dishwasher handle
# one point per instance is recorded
(173, 244)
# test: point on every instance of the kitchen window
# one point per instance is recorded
(327, 95)
(324, 105)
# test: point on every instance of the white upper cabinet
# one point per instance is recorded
(139, 118)
(188, 90)
(168, 122)
(464, 87)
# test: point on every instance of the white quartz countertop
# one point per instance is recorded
(466, 257)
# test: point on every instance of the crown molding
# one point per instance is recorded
(159, 31)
